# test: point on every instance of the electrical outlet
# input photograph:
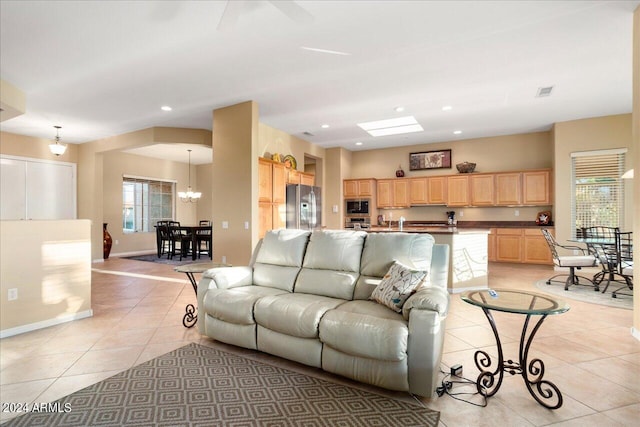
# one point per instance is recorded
(246, 225)
(225, 224)
(224, 259)
(117, 242)
(516, 212)
(12, 294)
(335, 208)
(460, 213)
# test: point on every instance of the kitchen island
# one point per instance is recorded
(468, 266)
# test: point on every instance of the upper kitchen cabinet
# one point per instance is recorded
(536, 188)
(265, 180)
(356, 188)
(428, 191)
(307, 179)
(508, 189)
(482, 190)
(458, 190)
(393, 193)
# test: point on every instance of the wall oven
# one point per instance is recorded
(356, 207)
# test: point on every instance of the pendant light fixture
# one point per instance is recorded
(57, 148)
(189, 196)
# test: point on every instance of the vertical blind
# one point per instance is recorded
(598, 190)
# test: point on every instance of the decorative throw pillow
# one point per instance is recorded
(397, 286)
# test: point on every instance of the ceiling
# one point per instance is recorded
(100, 69)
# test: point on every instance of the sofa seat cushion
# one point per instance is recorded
(366, 329)
(236, 305)
(297, 315)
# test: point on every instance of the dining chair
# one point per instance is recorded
(180, 240)
(204, 239)
(601, 243)
(572, 262)
(163, 234)
(624, 249)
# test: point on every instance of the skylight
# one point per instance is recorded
(394, 126)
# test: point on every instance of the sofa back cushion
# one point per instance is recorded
(279, 258)
(381, 250)
(332, 263)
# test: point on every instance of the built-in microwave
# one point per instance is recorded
(356, 207)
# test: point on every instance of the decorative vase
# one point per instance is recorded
(106, 241)
(399, 172)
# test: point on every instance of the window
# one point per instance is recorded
(145, 202)
(598, 190)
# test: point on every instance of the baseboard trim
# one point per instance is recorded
(45, 323)
(635, 333)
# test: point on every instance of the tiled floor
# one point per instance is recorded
(588, 352)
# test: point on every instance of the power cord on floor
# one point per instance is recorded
(447, 386)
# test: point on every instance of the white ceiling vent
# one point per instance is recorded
(544, 91)
(307, 133)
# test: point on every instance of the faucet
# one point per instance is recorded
(401, 222)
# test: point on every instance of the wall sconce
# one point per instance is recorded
(57, 148)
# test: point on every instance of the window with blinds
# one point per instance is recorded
(145, 202)
(598, 190)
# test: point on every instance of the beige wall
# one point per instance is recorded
(117, 164)
(37, 148)
(234, 182)
(493, 154)
(49, 264)
(599, 133)
(338, 167)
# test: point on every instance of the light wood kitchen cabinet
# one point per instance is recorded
(519, 245)
(356, 188)
(279, 188)
(536, 249)
(265, 180)
(293, 176)
(508, 189)
(427, 191)
(536, 188)
(458, 190)
(418, 191)
(393, 193)
(437, 190)
(482, 190)
(307, 179)
(509, 245)
(272, 195)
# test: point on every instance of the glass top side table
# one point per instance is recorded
(528, 304)
(190, 318)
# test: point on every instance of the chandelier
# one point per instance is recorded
(189, 196)
(57, 148)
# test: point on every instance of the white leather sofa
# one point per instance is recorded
(305, 297)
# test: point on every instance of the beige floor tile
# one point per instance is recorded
(595, 420)
(569, 351)
(20, 395)
(38, 367)
(64, 386)
(95, 361)
(627, 415)
(615, 370)
(124, 338)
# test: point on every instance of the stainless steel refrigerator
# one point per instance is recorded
(304, 207)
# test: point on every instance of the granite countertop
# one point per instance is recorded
(437, 229)
(463, 224)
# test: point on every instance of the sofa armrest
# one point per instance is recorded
(227, 277)
(439, 270)
(427, 298)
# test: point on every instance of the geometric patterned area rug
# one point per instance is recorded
(587, 294)
(202, 386)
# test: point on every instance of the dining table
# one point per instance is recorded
(192, 231)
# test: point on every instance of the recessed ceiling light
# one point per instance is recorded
(166, 108)
(331, 52)
(395, 126)
(457, 132)
(324, 126)
(399, 109)
(359, 143)
(447, 108)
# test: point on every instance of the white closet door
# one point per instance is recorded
(12, 188)
(50, 191)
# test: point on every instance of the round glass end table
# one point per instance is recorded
(532, 371)
(190, 318)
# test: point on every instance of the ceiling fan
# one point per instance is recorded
(235, 8)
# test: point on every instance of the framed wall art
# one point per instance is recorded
(430, 160)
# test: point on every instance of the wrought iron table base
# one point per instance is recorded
(532, 371)
(191, 316)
